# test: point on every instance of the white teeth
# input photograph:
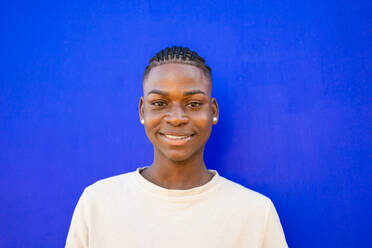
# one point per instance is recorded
(176, 137)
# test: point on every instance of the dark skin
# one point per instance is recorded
(178, 110)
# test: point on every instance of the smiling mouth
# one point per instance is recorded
(176, 140)
(176, 137)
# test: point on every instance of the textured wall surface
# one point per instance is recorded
(293, 81)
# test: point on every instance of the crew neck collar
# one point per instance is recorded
(178, 193)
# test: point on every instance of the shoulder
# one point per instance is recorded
(242, 196)
(109, 187)
(244, 205)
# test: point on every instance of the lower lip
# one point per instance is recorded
(176, 142)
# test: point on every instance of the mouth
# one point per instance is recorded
(176, 140)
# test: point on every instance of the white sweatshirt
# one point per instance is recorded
(130, 211)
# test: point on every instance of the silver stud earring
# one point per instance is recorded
(215, 119)
(142, 121)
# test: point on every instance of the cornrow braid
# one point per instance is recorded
(177, 55)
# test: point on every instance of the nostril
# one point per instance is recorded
(176, 120)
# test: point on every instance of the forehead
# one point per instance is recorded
(177, 77)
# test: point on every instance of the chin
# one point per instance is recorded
(173, 156)
(178, 156)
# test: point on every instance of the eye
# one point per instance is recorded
(158, 104)
(194, 104)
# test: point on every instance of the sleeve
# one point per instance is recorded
(79, 228)
(274, 235)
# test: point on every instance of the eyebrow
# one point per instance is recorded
(159, 92)
(163, 93)
(193, 92)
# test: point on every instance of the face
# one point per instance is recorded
(178, 110)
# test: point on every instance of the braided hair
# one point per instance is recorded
(177, 55)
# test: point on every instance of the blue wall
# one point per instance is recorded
(293, 81)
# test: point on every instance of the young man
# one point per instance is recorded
(176, 201)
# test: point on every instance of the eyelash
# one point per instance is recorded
(199, 104)
(160, 104)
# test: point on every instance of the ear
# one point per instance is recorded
(215, 112)
(141, 108)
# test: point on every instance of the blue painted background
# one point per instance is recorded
(293, 81)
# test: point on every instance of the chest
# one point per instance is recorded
(197, 224)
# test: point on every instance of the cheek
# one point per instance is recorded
(203, 121)
(152, 120)
(151, 117)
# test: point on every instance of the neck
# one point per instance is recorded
(177, 174)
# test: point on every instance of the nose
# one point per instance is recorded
(176, 116)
